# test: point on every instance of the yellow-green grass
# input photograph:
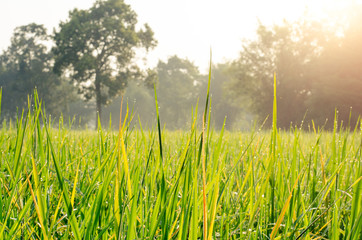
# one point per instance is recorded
(64, 184)
(58, 183)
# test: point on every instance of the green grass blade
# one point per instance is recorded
(158, 124)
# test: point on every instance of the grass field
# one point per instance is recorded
(58, 183)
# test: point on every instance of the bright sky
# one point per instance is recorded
(187, 28)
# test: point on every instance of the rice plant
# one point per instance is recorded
(58, 183)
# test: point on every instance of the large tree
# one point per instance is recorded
(27, 64)
(96, 47)
(289, 50)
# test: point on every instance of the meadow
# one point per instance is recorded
(59, 183)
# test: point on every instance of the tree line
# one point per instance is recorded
(88, 63)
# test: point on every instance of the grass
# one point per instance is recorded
(58, 183)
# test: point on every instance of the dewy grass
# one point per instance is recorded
(195, 184)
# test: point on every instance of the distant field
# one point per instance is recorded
(63, 184)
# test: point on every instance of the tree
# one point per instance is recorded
(288, 50)
(95, 47)
(337, 75)
(26, 65)
(177, 90)
(223, 108)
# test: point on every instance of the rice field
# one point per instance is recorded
(59, 183)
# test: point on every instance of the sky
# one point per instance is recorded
(186, 28)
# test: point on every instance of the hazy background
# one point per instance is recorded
(186, 28)
(313, 46)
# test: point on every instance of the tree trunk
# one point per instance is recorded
(98, 100)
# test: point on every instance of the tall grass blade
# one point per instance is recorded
(158, 124)
(203, 150)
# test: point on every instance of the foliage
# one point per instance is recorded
(317, 67)
(337, 76)
(95, 47)
(224, 106)
(27, 64)
(317, 71)
(288, 50)
(177, 90)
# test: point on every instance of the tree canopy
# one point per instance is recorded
(316, 70)
(178, 81)
(95, 48)
(287, 50)
(337, 76)
(26, 65)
